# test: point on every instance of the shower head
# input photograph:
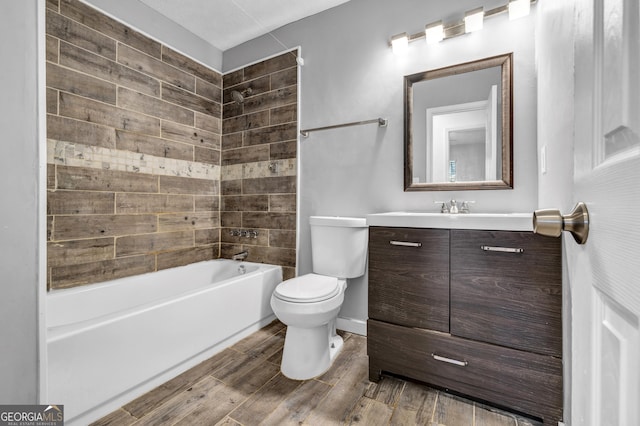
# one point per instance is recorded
(238, 97)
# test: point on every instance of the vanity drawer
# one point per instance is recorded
(526, 382)
(511, 298)
(409, 276)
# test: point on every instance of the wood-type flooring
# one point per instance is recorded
(242, 385)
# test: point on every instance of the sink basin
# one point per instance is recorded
(486, 221)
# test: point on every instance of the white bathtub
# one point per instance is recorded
(109, 343)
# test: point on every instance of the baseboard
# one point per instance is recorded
(352, 325)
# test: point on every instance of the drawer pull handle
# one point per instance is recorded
(450, 360)
(405, 243)
(503, 249)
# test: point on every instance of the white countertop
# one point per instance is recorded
(484, 221)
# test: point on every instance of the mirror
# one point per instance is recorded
(458, 127)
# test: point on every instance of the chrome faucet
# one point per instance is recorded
(465, 206)
(240, 256)
(451, 207)
(448, 207)
(444, 208)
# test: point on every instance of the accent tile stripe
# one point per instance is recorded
(80, 155)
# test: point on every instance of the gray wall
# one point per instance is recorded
(555, 67)
(21, 192)
(351, 74)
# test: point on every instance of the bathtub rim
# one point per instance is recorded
(56, 332)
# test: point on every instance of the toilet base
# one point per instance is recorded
(309, 352)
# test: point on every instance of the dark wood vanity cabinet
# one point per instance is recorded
(413, 264)
(476, 312)
(511, 299)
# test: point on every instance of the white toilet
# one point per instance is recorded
(309, 304)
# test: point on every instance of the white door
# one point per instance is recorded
(605, 272)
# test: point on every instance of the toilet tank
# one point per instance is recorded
(339, 245)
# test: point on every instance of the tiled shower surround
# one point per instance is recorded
(258, 179)
(150, 166)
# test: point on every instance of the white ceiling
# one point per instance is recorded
(228, 23)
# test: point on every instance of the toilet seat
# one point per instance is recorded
(307, 288)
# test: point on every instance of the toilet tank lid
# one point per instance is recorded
(342, 221)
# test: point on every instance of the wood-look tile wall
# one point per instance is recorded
(134, 135)
(259, 162)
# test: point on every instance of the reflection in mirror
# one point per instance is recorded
(458, 127)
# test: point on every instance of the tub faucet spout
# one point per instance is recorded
(240, 256)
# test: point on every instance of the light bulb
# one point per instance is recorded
(434, 32)
(519, 8)
(474, 20)
(400, 43)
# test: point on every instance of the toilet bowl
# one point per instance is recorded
(309, 304)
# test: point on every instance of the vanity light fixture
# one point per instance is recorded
(519, 8)
(434, 32)
(400, 43)
(473, 21)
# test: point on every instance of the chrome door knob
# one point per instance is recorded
(551, 222)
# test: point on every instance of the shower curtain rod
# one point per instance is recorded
(382, 122)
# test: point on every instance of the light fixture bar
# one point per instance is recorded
(498, 10)
(453, 30)
(458, 28)
(417, 36)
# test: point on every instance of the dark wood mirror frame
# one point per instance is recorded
(506, 95)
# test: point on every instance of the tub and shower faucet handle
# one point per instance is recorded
(246, 233)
